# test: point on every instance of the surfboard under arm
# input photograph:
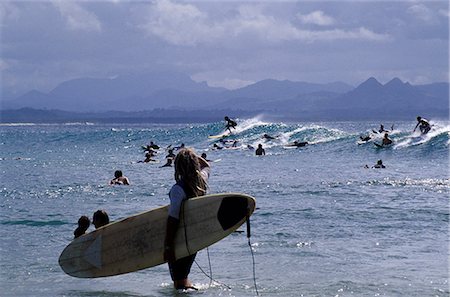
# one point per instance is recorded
(137, 242)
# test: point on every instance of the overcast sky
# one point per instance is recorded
(226, 43)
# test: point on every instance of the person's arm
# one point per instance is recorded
(126, 181)
(416, 127)
(171, 230)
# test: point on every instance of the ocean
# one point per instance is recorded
(325, 225)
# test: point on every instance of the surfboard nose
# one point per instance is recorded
(234, 209)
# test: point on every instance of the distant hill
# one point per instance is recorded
(158, 90)
(173, 92)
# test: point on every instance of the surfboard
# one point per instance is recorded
(137, 242)
(225, 134)
(377, 145)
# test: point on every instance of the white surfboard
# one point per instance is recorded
(137, 242)
(222, 135)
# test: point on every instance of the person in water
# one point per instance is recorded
(205, 157)
(260, 151)
(100, 218)
(386, 140)
(170, 154)
(298, 143)
(230, 124)
(83, 225)
(181, 146)
(168, 163)
(268, 137)
(379, 164)
(365, 138)
(191, 176)
(217, 147)
(148, 157)
(119, 179)
(423, 125)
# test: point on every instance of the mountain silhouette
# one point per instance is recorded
(177, 91)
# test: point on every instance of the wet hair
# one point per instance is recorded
(419, 118)
(118, 173)
(379, 162)
(84, 222)
(260, 145)
(204, 156)
(83, 225)
(187, 170)
(100, 218)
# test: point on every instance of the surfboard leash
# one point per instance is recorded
(253, 255)
(211, 279)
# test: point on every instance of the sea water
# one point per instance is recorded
(324, 225)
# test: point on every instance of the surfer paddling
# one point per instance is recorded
(191, 175)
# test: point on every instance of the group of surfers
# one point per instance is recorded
(423, 125)
(191, 177)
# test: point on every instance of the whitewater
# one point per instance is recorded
(325, 224)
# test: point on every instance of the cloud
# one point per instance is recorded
(8, 11)
(185, 24)
(421, 12)
(444, 12)
(317, 17)
(77, 17)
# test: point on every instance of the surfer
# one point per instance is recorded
(191, 175)
(365, 138)
(148, 157)
(382, 130)
(168, 163)
(423, 125)
(379, 164)
(100, 218)
(217, 147)
(260, 151)
(386, 140)
(298, 143)
(268, 137)
(205, 157)
(181, 146)
(230, 123)
(83, 225)
(119, 179)
(152, 146)
(170, 154)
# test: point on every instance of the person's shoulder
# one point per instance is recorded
(205, 172)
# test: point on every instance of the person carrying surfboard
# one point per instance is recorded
(230, 124)
(191, 176)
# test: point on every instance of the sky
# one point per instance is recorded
(225, 43)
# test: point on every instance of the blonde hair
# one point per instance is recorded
(187, 171)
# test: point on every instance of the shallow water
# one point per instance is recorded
(325, 225)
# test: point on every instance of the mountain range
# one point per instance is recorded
(132, 94)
